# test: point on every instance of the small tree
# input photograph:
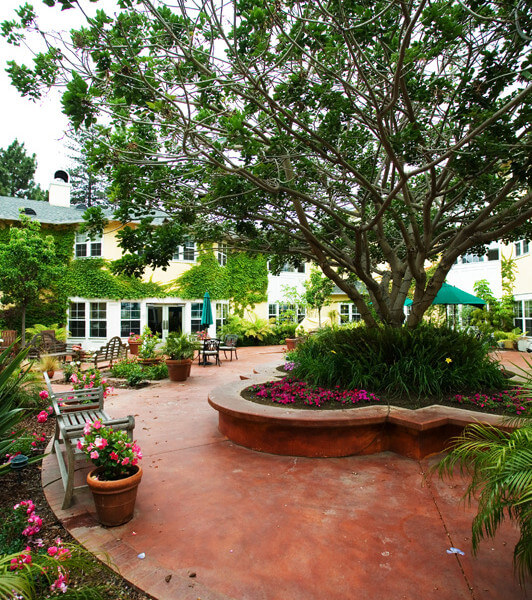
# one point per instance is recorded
(27, 266)
(318, 290)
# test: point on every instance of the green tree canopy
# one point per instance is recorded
(89, 186)
(367, 137)
(16, 173)
(28, 266)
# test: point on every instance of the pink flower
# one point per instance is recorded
(100, 442)
(44, 395)
(97, 424)
(114, 456)
(87, 428)
(52, 550)
(80, 444)
(50, 410)
(125, 461)
(94, 454)
(42, 417)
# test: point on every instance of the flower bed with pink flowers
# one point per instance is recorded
(294, 393)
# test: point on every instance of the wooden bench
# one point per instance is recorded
(112, 351)
(45, 343)
(72, 410)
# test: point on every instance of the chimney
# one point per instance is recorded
(59, 190)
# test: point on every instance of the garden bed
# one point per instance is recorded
(294, 394)
(30, 488)
(366, 429)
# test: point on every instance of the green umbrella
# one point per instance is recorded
(449, 294)
(206, 313)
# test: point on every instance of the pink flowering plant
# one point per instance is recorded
(90, 379)
(109, 449)
(44, 569)
(289, 391)
(513, 401)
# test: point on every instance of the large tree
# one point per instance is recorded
(17, 170)
(368, 137)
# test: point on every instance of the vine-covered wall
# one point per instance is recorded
(87, 278)
(243, 280)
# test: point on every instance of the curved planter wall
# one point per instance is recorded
(335, 433)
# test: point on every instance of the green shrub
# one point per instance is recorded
(135, 372)
(426, 361)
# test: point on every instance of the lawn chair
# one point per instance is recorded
(72, 410)
(211, 348)
(229, 345)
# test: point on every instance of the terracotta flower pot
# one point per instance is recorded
(149, 361)
(134, 348)
(178, 370)
(50, 374)
(114, 500)
(291, 343)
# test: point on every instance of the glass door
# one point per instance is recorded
(155, 318)
(175, 319)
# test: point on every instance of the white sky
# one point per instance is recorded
(40, 125)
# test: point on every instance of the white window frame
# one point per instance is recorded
(222, 254)
(348, 313)
(196, 308)
(183, 253)
(92, 248)
(277, 309)
(97, 314)
(130, 315)
(74, 316)
(522, 248)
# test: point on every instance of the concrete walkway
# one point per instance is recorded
(217, 521)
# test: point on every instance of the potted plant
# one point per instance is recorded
(146, 351)
(117, 475)
(134, 340)
(49, 364)
(180, 349)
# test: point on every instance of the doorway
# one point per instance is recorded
(164, 318)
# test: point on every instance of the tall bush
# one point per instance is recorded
(426, 361)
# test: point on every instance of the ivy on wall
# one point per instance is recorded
(90, 278)
(244, 280)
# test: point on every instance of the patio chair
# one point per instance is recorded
(8, 337)
(229, 345)
(211, 348)
(72, 410)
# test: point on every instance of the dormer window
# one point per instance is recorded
(87, 248)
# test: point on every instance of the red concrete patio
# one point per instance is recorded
(219, 521)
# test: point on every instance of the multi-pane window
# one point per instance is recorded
(129, 318)
(76, 319)
(286, 312)
(222, 312)
(288, 268)
(349, 313)
(523, 316)
(85, 247)
(472, 258)
(522, 247)
(222, 254)
(186, 252)
(196, 309)
(98, 319)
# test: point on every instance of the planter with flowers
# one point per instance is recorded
(134, 340)
(180, 349)
(147, 354)
(117, 475)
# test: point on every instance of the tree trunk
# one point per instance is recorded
(23, 327)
